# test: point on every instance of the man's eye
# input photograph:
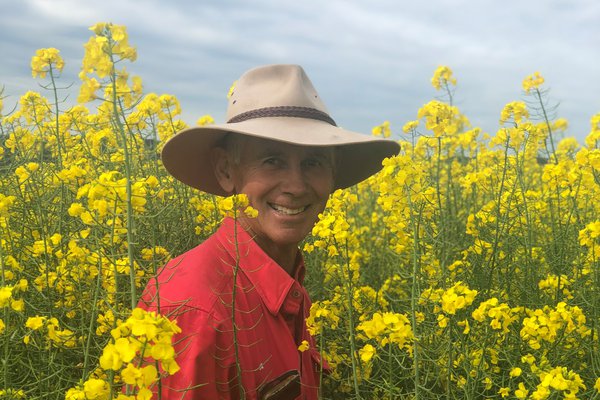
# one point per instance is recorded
(314, 163)
(272, 161)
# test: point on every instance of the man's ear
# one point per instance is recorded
(223, 167)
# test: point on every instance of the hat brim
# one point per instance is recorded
(187, 154)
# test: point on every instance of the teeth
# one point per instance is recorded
(288, 211)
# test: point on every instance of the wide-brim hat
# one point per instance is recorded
(275, 102)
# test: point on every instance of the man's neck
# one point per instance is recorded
(286, 257)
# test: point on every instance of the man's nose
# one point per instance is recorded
(294, 180)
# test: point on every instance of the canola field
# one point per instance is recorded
(468, 268)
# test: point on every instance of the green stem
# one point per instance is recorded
(127, 160)
(415, 294)
(547, 120)
(56, 112)
(236, 267)
(498, 217)
(93, 316)
(6, 342)
(353, 351)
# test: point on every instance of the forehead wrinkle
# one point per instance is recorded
(323, 152)
(257, 148)
(268, 151)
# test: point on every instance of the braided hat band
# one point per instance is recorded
(284, 111)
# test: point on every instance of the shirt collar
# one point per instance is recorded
(268, 278)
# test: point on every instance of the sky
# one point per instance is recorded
(370, 60)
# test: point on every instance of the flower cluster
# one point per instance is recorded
(387, 328)
(46, 60)
(548, 323)
(231, 206)
(140, 350)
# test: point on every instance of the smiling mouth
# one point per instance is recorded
(287, 211)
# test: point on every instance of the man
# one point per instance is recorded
(238, 297)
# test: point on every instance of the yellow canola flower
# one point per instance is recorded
(24, 172)
(590, 234)
(593, 139)
(12, 393)
(552, 283)
(34, 108)
(45, 60)
(231, 89)
(232, 205)
(76, 209)
(141, 377)
(387, 328)
(382, 130)
(5, 295)
(145, 331)
(515, 111)
(17, 305)
(546, 324)
(366, 353)
(99, 27)
(528, 358)
(442, 76)
(72, 174)
(87, 91)
(6, 203)
(115, 354)
(152, 181)
(410, 126)
(169, 107)
(516, 371)
(92, 389)
(137, 86)
(118, 32)
(96, 389)
(251, 212)
(560, 124)
(501, 316)
(205, 120)
(163, 350)
(303, 346)
(109, 40)
(441, 118)
(322, 314)
(521, 392)
(156, 253)
(558, 379)
(96, 57)
(457, 297)
(533, 81)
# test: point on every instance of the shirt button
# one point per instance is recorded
(296, 294)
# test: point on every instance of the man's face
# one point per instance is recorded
(289, 186)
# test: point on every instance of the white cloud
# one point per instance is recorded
(370, 60)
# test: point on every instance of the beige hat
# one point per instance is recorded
(276, 102)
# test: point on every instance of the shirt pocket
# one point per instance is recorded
(284, 387)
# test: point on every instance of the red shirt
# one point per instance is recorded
(270, 306)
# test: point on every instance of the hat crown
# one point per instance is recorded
(273, 86)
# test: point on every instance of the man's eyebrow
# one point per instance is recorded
(269, 151)
(319, 153)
